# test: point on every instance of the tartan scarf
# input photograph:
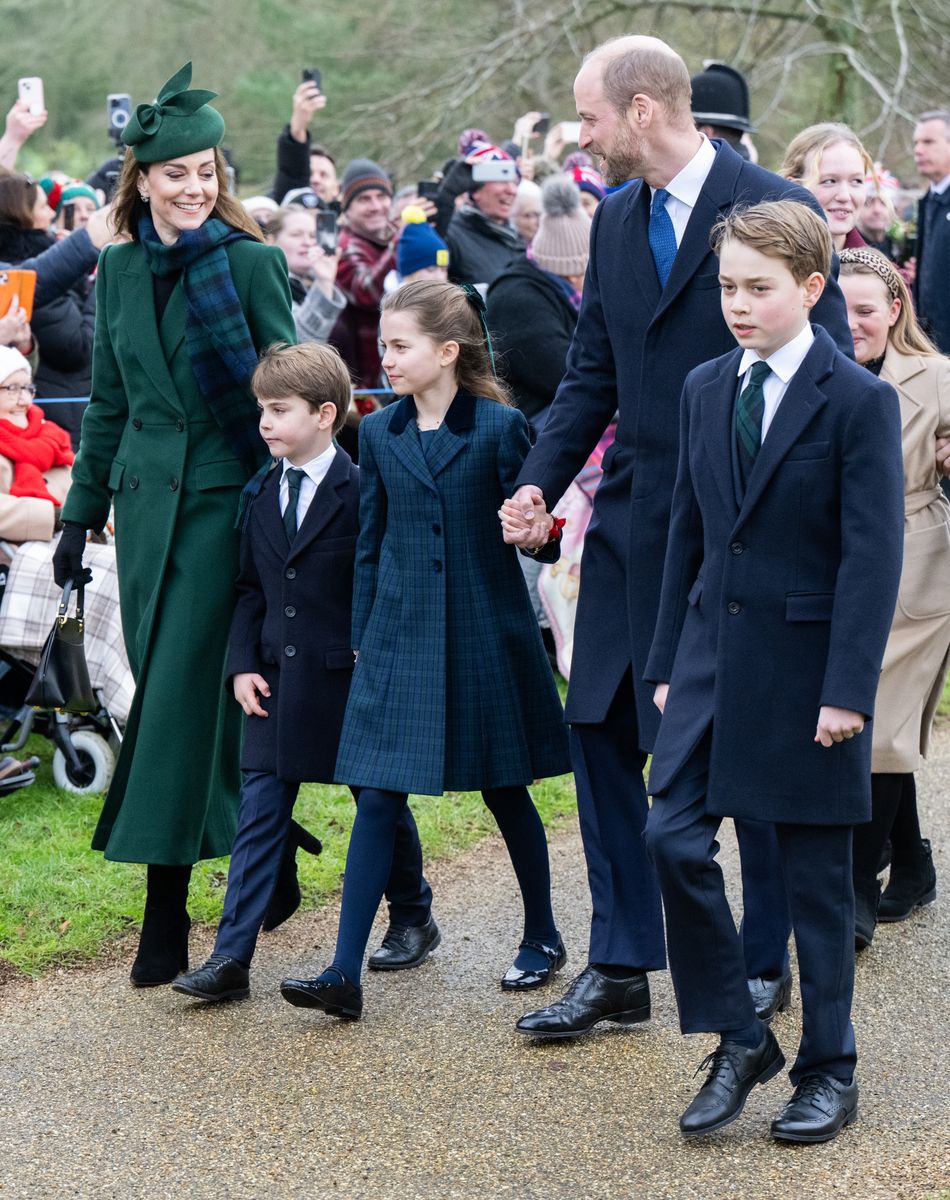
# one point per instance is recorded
(223, 356)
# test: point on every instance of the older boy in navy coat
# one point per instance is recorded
(290, 660)
(778, 592)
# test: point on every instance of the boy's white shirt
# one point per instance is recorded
(314, 474)
(784, 363)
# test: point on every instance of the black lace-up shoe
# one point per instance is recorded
(734, 1071)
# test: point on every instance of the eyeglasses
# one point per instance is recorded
(14, 389)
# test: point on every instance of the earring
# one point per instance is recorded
(143, 197)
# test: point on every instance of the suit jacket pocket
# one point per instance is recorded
(809, 606)
(115, 475)
(228, 473)
(337, 543)
(340, 658)
(925, 578)
(808, 450)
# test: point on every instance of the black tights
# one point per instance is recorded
(894, 816)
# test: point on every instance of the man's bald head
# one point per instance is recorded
(639, 65)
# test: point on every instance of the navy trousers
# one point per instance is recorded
(267, 804)
(706, 958)
(627, 922)
(766, 920)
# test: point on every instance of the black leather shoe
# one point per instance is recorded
(517, 980)
(734, 1071)
(820, 1107)
(220, 978)
(770, 996)
(405, 946)
(910, 886)
(343, 999)
(286, 898)
(866, 901)
(591, 998)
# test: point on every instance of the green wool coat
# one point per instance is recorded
(151, 446)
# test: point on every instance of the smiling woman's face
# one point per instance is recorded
(181, 193)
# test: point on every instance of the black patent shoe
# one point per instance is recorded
(820, 1107)
(590, 999)
(286, 897)
(770, 996)
(163, 950)
(517, 980)
(734, 1071)
(337, 998)
(220, 978)
(405, 946)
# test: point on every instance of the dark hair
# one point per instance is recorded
(783, 229)
(311, 370)
(17, 199)
(128, 205)
(444, 313)
(322, 151)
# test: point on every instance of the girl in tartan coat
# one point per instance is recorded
(452, 690)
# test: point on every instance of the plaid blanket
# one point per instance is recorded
(31, 602)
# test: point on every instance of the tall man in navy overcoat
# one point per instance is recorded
(636, 341)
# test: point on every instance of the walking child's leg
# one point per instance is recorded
(407, 889)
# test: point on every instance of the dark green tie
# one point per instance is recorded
(294, 476)
(750, 409)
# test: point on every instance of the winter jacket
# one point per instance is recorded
(364, 265)
(480, 249)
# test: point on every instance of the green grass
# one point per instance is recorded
(61, 903)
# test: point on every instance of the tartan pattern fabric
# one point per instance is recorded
(31, 602)
(294, 478)
(219, 341)
(750, 408)
(661, 235)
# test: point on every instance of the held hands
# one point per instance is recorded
(660, 694)
(837, 724)
(525, 520)
(246, 687)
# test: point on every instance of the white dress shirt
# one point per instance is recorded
(685, 187)
(784, 363)
(939, 188)
(314, 474)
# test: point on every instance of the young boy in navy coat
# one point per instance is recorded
(290, 661)
(779, 588)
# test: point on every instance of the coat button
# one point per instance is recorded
(290, 573)
(737, 547)
(173, 484)
(290, 611)
(133, 482)
(436, 529)
(179, 424)
(732, 608)
(136, 422)
(436, 566)
(290, 651)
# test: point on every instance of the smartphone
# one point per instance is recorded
(118, 111)
(570, 130)
(427, 189)
(542, 124)
(312, 75)
(30, 91)
(19, 284)
(326, 231)
(502, 171)
(69, 216)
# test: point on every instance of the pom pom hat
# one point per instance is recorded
(419, 245)
(11, 361)
(562, 243)
(180, 122)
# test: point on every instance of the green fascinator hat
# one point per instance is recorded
(180, 122)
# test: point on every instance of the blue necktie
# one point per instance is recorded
(750, 408)
(662, 236)
(294, 477)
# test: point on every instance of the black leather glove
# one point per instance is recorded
(67, 557)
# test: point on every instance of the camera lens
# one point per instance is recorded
(119, 118)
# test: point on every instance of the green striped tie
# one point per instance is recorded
(750, 408)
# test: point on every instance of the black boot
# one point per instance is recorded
(867, 896)
(911, 885)
(286, 898)
(163, 944)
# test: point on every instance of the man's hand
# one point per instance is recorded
(554, 143)
(837, 724)
(15, 328)
(524, 518)
(307, 99)
(246, 687)
(943, 455)
(660, 693)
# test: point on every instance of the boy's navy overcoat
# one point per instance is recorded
(292, 625)
(775, 608)
(452, 689)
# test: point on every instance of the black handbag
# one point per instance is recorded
(62, 680)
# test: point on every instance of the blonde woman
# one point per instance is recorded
(830, 161)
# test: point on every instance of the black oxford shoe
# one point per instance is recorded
(591, 998)
(519, 979)
(770, 996)
(220, 978)
(405, 946)
(337, 998)
(820, 1107)
(734, 1071)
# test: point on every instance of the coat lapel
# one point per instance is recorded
(899, 370)
(139, 302)
(716, 402)
(636, 222)
(267, 509)
(452, 437)
(404, 442)
(325, 504)
(172, 329)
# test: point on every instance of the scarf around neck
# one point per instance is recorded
(222, 352)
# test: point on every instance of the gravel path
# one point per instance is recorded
(109, 1092)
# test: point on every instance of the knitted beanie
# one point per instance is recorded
(73, 191)
(361, 175)
(12, 360)
(468, 138)
(589, 180)
(578, 158)
(419, 245)
(562, 243)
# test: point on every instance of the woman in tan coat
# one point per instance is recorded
(889, 342)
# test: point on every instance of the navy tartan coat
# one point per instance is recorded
(452, 689)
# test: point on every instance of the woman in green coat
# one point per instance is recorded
(170, 438)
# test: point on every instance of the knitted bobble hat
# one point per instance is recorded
(419, 245)
(562, 243)
(11, 361)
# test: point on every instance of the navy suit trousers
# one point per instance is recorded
(267, 804)
(766, 921)
(706, 958)
(627, 922)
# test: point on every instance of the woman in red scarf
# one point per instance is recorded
(40, 452)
